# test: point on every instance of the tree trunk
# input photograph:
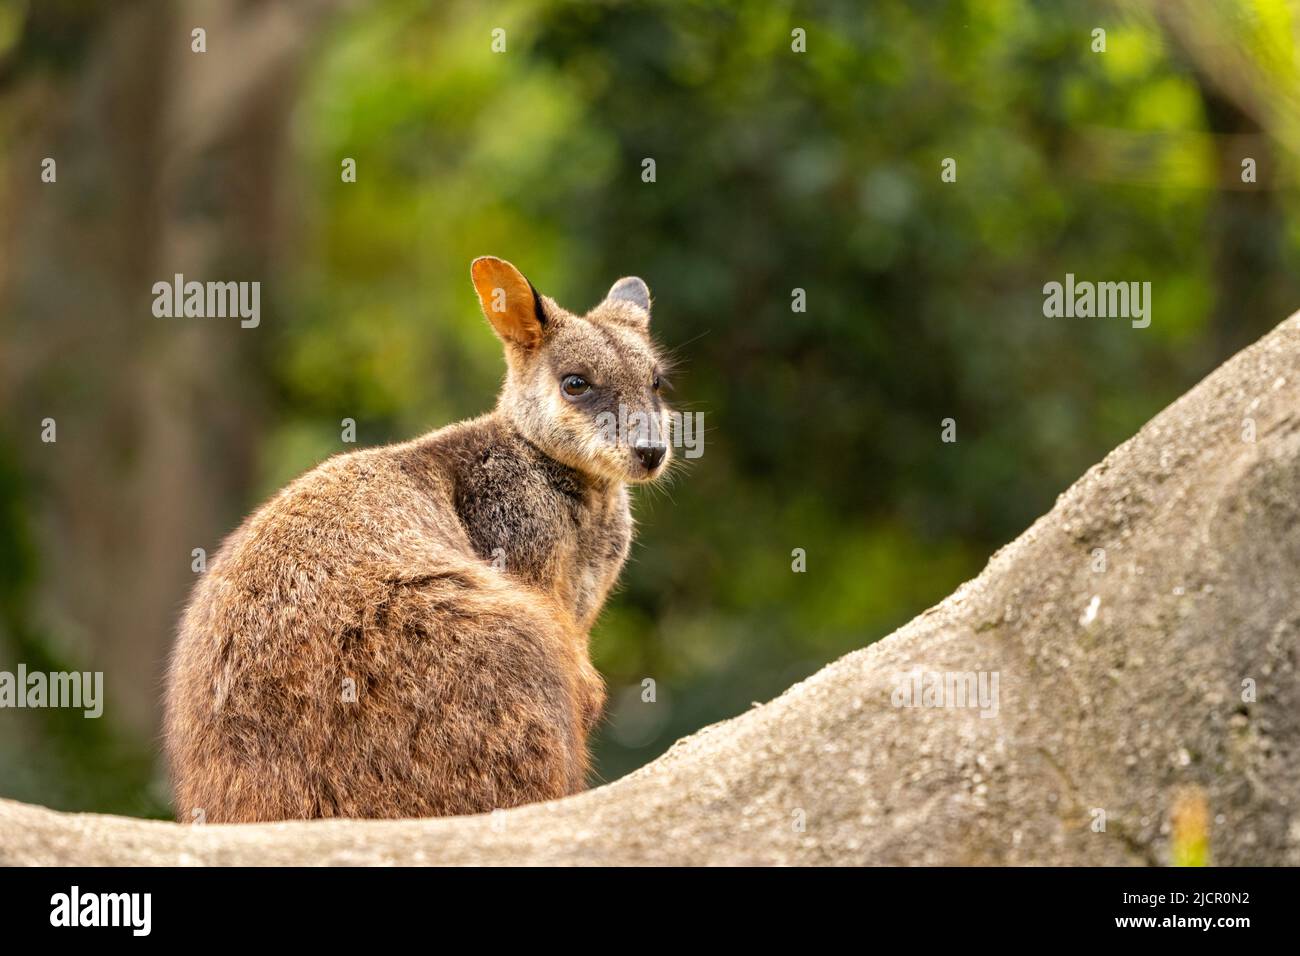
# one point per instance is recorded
(167, 161)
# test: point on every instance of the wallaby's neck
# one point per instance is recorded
(559, 529)
(598, 487)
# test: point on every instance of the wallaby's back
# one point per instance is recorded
(347, 654)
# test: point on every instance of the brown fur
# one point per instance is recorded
(452, 579)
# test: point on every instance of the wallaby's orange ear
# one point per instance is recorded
(509, 301)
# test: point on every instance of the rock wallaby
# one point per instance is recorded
(402, 631)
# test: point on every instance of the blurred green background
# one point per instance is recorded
(776, 170)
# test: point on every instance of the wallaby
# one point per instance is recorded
(402, 631)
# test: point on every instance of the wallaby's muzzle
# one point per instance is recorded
(651, 456)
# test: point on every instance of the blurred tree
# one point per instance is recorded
(167, 162)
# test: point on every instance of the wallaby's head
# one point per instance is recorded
(584, 389)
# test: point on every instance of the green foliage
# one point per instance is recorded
(775, 171)
(56, 757)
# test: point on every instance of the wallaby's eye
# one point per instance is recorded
(574, 385)
(655, 382)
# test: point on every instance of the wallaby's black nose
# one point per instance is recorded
(651, 455)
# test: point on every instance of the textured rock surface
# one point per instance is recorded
(1118, 689)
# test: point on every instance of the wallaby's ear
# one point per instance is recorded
(634, 292)
(509, 301)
